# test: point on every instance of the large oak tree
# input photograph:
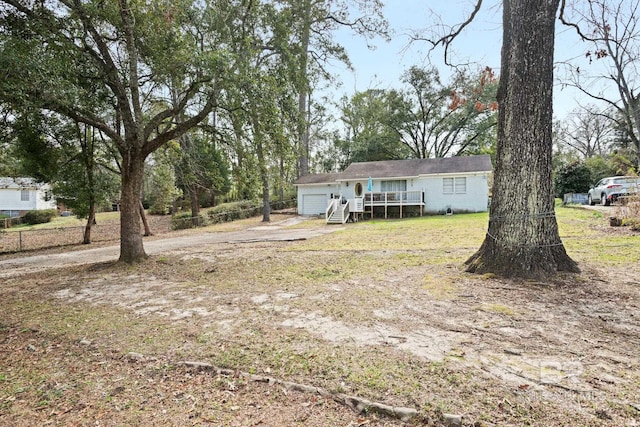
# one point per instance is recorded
(522, 238)
(110, 64)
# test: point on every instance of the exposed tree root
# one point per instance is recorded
(356, 403)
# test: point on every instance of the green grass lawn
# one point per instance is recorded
(450, 239)
(68, 221)
(585, 233)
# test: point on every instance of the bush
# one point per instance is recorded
(291, 203)
(184, 220)
(40, 217)
(572, 178)
(225, 212)
(599, 167)
(233, 211)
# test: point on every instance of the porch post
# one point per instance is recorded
(371, 204)
(385, 205)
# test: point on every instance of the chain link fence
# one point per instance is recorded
(25, 240)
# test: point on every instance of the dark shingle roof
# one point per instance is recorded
(319, 178)
(402, 169)
(417, 167)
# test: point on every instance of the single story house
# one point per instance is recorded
(434, 186)
(20, 195)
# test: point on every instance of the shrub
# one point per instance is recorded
(572, 178)
(184, 220)
(225, 212)
(233, 211)
(291, 203)
(40, 216)
(600, 167)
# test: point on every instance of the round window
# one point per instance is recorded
(358, 189)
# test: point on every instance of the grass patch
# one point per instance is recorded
(440, 233)
(498, 308)
(68, 221)
(442, 288)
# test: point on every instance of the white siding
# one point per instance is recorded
(461, 193)
(41, 199)
(11, 199)
(313, 199)
(314, 204)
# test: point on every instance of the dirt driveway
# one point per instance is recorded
(277, 231)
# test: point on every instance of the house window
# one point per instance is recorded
(358, 189)
(447, 185)
(454, 185)
(389, 186)
(24, 195)
(461, 185)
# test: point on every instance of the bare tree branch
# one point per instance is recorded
(447, 39)
(561, 16)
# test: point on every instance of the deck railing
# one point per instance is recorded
(331, 207)
(388, 199)
(344, 212)
(337, 212)
(394, 198)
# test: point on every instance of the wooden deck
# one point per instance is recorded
(389, 199)
(338, 212)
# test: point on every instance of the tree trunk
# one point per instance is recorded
(522, 239)
(264, 178)
(281, 182)
(303, 119)
(87, 145)
(266, 207)
(131, 247)
(303, 130)
(91, 220)
(195, 205)
(145, 223)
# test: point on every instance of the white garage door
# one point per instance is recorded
(314, 204)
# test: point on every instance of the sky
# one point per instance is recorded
(480, 43)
